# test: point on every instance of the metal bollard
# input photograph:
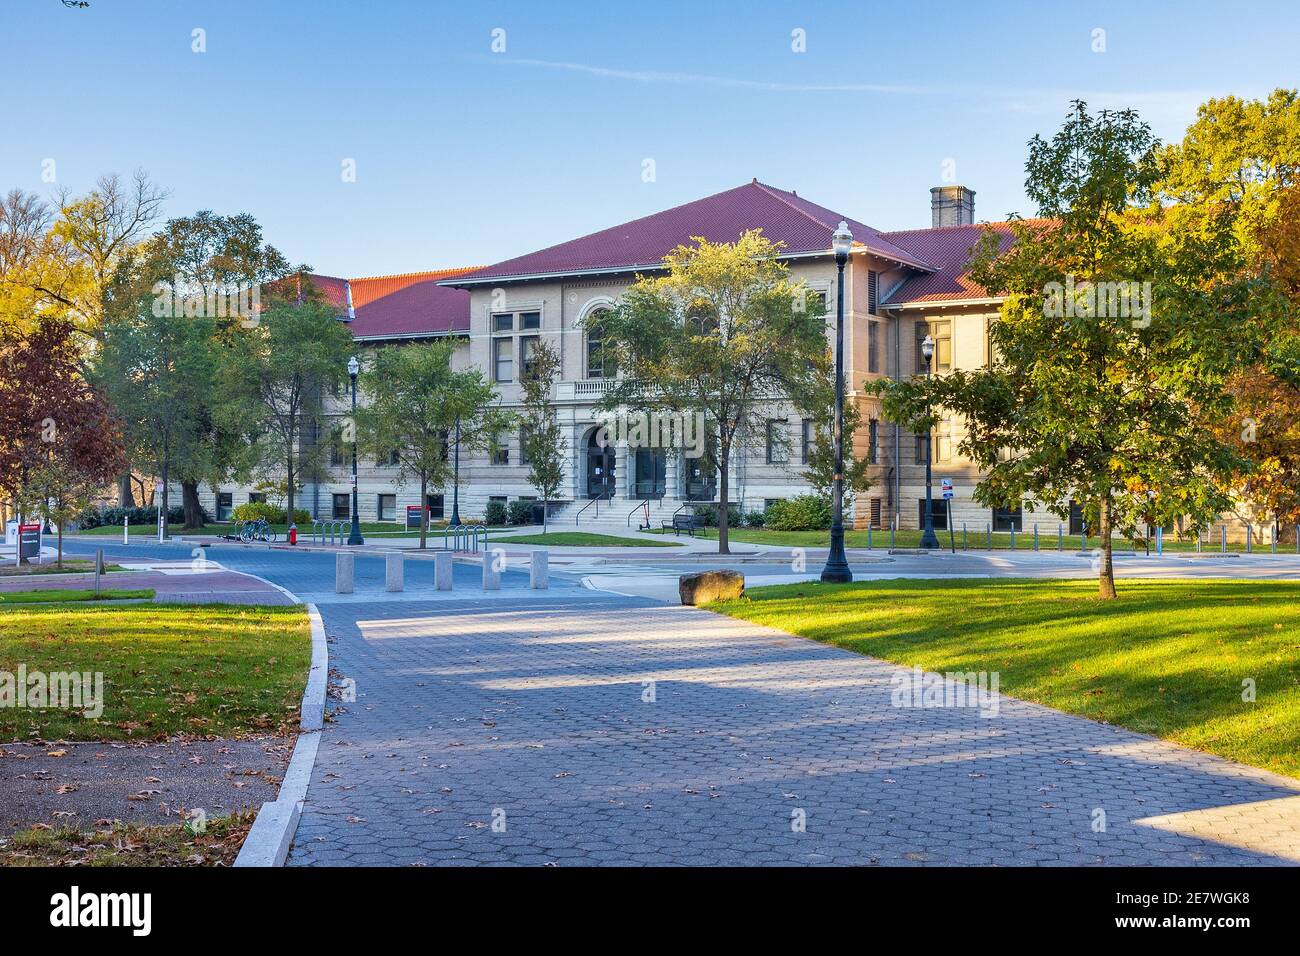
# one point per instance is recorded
(963, 536)
(868, 537)
(538, 573)
(394, 572)
(1035, 535)
(1275, 539)
(493, 562)
(1160, 541)
(1250, 539)
(442, 570)
(988, 536)
(126, 535)
(1223, 539)
(344, 572)
(1013, 537)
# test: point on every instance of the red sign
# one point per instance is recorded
(28, 527)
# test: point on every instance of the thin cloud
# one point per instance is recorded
(1165, 104)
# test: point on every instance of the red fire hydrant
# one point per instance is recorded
(293, 534)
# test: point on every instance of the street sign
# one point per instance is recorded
(29, 540)
(945, 485)
(413, 516)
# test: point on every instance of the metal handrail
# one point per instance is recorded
(643, 505)
(603, 496)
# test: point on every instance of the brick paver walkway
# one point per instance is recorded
(520, 732)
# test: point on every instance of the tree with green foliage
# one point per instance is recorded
(272, 376)
(1234, 181)
(413, 402)
(726, 334)
(543, 445)
(820, 468)
(1110, 348)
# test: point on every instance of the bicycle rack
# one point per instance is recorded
(465, 537)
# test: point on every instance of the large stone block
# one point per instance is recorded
(539, 570)
(443, 575)
(702, 587)
(394, 572)
(344, 568)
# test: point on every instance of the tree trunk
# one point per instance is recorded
(124, 496)
(1106, 575)
(190, 501)
(424, 510)
(724, 464)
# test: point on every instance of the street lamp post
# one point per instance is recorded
(928, 537)
(455, 479)
(355, 536)
(837, 563)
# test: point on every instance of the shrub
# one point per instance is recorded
(495, 513)
(520, 512)
(755, 519)
(708, 514)
(97, 517)
(802, 513)
(253, 510)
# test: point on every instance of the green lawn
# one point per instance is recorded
(70, 566)
(583, 539)
(1167, 658)
(72, 594)
(221, 670)
(975, 540)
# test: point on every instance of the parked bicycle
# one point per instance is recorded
(256, 530)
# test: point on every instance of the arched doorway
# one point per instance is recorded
(600, 467)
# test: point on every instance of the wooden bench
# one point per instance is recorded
(688, 523)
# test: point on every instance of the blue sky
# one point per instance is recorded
(466, 156)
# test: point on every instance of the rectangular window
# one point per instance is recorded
(1004, 519)
(873, 345)
(805, 439)
(919, 445)
(387, 506)
(778, 452)
(342, 507)
(530, 320)
(499, 451)
(873, 441)
(435, 505)
(938, 513)
(393, 458)
(336, 456)
(525, 435)
(503, 323)
(941, 332)
(225, 502)
(873, 283)
(256, 496)
(875, 512)
(527, 344)
(503, 359)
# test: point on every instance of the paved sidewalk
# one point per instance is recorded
(521, 733)
(176, 583)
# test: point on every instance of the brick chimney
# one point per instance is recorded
(952, 206)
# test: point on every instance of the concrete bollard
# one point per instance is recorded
(394, 572)
(442, 570)
(493, 562)
(539, 575)
(344, 568)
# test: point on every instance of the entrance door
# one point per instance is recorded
(600, 468)
(651, 469)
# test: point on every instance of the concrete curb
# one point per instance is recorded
(272, 834)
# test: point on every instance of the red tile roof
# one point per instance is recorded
(642, 243)
(948, 248)
(398, 306)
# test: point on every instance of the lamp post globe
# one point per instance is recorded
(354, 537)
(837, 569)
(928, 538)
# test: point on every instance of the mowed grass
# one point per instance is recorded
(206, 670)
(584, 539)
(73, 594)
(1167, 658)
